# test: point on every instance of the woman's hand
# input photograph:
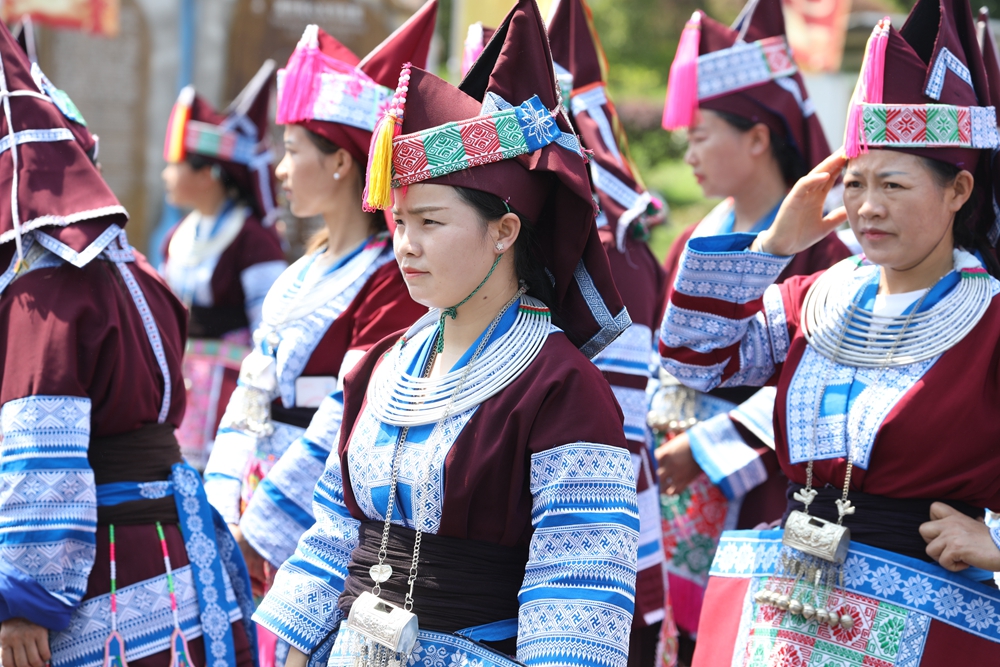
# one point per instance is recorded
(957, 541)
(800, 222)
(23, 644)
(256, 565)
(675, 465)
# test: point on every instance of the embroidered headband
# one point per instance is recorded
(315, 86)
(870, 123)
(694, 78)
(500, 132)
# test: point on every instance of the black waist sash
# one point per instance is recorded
(144, 455)
(216, 321)
(300, 417)
(887, 523)
(460, 583)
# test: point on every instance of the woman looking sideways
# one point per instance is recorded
(482, 476)
(223, 257)
(344, 295)
(750, 138)
(869, 357)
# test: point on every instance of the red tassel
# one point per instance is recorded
(682, 88)
(871, 83)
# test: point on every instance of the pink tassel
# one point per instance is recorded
(869, 89)
(682, 88)
(298, 92)
(473, 47)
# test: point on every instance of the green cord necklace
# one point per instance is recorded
(453, 311)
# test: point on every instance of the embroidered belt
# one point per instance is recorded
(210, 547)
(880, 576)
(433, 649)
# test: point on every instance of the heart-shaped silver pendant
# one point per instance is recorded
(380, 573)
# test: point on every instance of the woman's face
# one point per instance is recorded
(441, 245)
(307, 175)
(723, 158)
(187, 187)
(898, 210)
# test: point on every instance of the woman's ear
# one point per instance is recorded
(338, 162)
(507, 229)
(759, 137)
(961, 190)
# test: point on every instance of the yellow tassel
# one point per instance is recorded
(378, 186)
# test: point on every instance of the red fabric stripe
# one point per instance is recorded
(706, 304)
(945, 643)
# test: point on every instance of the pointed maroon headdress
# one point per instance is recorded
(235, 139)
(47, 180)
(923, 90)
(502, 131)
(576, 50)
(747, 70)
(327, 90)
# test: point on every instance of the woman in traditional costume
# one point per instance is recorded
(91, 391)
(752, 132)
(885, 366)
(328, 308)
(484, 435)
(625, 209)
(223, 257)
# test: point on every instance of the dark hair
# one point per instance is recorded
(229, 183)
(790, 162)
(527, 265)
(321, 236)
(965, 231)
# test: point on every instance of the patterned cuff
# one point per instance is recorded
(721, 267)
(756, 414)
(729, 462)
(995, 534)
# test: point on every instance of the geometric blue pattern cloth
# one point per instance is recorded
(48, 508)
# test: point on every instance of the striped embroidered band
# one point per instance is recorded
(216, 141)
(501, 134)
(744, 65)
(349, 97)
(928, 126)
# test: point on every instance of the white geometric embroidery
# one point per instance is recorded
(144, 619)
(421, 468)
(46, 499)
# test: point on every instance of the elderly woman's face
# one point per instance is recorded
(898, 209)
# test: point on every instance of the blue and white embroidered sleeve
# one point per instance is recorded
(720, 328)
(230, 456)
(281, 507)
(256, 280)
(301, 607)
(722, 453)
(578, 594)
(48, 508)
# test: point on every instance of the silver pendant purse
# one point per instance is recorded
(387, 632)
(817, 537)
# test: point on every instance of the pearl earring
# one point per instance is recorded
(336, 175)
(499, 246)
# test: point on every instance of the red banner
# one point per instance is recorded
(95, 16)
(816, 31)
